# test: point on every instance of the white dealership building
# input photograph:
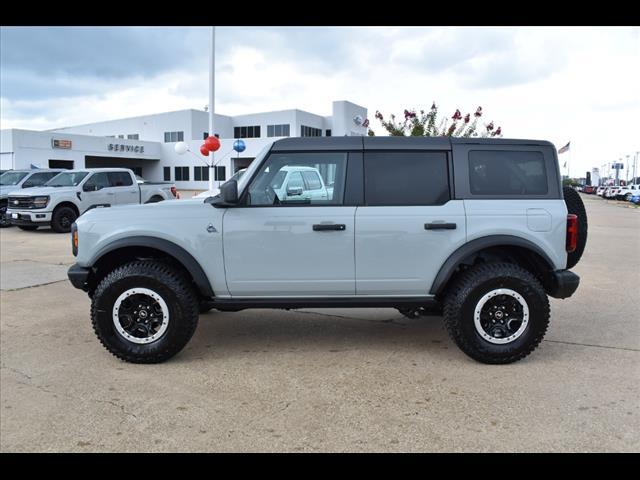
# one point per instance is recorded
(146, 143)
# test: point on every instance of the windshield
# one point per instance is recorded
(12, 178)
(66, 179)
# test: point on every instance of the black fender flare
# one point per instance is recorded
(168, 247)
(449, 266)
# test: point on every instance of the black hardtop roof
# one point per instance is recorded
(388, 143)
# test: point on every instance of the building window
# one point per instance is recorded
(246, 132)
(167, 174)
(201, 174)
(206, 134)
(121, 136)
(170, 137)
(220, 174)
(133, 136)
(310, 131)
(327, 133)
(278, 130)
(182, 174)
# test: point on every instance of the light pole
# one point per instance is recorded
(626, 175)
(212, 92)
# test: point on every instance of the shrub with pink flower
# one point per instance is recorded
(427, 124)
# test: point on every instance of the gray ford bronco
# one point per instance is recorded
(477, 230)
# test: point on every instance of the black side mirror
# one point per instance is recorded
(229, 192)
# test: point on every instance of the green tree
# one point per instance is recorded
(427, 124)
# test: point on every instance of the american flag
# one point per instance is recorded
(565, 148)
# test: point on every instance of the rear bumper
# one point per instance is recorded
(79, 276)
(564, 283)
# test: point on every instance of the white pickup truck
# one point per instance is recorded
(71, 193)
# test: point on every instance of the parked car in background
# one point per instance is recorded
(625, 192)
(590, 189)
(71, 193)
(610, 192)
(600, 190)
(216, 190)
(12, 180)
(635, 198)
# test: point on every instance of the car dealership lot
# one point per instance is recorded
(321, 380)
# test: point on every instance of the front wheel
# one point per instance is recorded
(144, 312)
(497, 312)
(62, 219)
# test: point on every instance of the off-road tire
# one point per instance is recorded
(28, 228)
(574, 205)
(168, 282)
(62, 219)
(463, 296)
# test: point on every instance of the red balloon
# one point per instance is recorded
(204, 150)
(212, 143)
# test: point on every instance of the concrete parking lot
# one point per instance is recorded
(321, 380)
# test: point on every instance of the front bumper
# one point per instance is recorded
(79, 276)
(28, 217)
(563, 284)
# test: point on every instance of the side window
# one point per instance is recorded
(120, 179)
(405, 178)
(503, 172)
(313, 180)
(275, 181)
(100, 180)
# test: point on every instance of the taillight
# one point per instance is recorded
(174, 192)
(572, 232)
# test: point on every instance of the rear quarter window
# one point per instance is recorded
(406, 178)
(503, 172)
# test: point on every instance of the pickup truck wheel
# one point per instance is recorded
(496, 312)
(62, 219)
(575, 206)
(144, 312)
(155, 199)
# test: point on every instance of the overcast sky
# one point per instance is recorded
(561, 84)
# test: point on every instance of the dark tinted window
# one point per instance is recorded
(99, 180)
(167, 174)
(220, 174)
(406, 178)
(38, 179)
(507, 173)
(182, 173)
(120, 179)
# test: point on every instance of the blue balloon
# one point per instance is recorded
(239, 146)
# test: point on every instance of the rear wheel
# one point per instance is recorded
(155, 199)
(144, 312)
(575, 206)
(496, 312)
(62, 219)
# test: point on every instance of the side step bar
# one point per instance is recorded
(235, 304)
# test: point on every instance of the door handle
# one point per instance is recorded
(321, 227)
(439, 226)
